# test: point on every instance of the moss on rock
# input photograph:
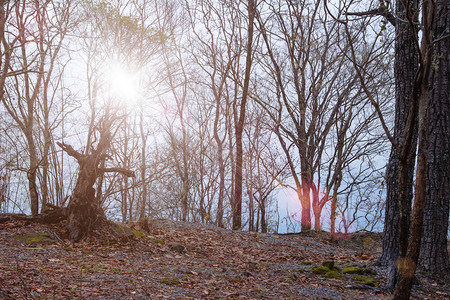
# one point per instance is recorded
(318, 269)
(366, 280)
(332, 274)
(353, 270)
(138, 234)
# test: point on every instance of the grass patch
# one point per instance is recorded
(157, 241)
(170, 281)
(34, 238)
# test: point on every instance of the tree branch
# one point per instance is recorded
(381, 11)
(123, 171)
(69, 150)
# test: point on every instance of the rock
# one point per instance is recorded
(252, 265)
(329, 264)
(176, 247)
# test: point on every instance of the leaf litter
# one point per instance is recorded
(179, 260)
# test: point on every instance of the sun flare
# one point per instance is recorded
(123, 84)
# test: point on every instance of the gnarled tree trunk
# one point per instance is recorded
(84, 213)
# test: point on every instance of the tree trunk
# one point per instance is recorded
(263, 216)
(143, 168)
(317, 208)
(237, 197)
(306, 205)
(405, 68)
(333, 216)
(84, 212)
(407, 264)
(32, 173)
(219, 216)
(434, 254)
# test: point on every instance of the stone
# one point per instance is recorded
(176, 247)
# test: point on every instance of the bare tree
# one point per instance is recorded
(239, 123)
(214, 53)
(31, 50)
(84, 212)
(317, 100)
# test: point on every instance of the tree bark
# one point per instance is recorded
(407, 264)
(405, 68)
(434, 254)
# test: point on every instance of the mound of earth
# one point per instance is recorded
(177, 260)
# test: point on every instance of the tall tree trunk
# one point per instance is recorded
(143, 168)
(262, 208)
(219, 216)
(407, 264)
(306, 205)
(237, 197)
(434, 254)
(405, 68)
(333, 216)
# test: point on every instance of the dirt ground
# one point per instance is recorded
(177, 260)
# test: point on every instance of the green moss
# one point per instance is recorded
(370, 271)
(292, 276)
(170, 281)
(317, 269)
(333, 274)
(138, 234)
(367, 280)
(34, 238)
(158, 241)
(353, 270)
(306, 263)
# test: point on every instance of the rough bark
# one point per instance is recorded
(407, 264)
(434, 255)
(405, 68)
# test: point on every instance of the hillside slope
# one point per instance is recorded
(177, 260)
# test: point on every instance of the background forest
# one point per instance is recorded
(194, 104)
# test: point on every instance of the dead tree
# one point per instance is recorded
(83, 212)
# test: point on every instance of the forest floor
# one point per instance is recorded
(177, 260)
